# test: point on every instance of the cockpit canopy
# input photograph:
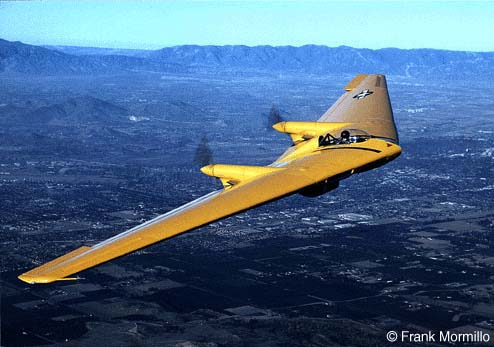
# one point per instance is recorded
(344, 137)
(358, 135)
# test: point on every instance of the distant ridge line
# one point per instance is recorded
(17, 57)
(68, 47)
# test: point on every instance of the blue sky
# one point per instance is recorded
(453, 25)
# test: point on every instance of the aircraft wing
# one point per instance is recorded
(366, 105)
(308, 164)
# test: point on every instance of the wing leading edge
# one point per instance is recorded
(289, 174)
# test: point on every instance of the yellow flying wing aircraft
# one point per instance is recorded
(356, 134)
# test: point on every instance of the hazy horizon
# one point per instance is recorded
(457, 25)
(226, 45)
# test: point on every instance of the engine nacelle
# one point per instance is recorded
(301, 131)
(319, 188)
(329, 184)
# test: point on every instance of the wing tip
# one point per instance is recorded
(355, 82)
(33, 279)
(47, 273)
(30, 279)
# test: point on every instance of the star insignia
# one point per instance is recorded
(363, 94)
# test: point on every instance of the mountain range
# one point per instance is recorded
(72, 111)
(17, 57)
